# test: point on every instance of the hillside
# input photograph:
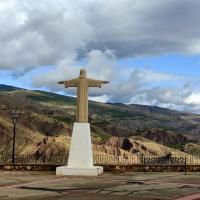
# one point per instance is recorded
(46, 120)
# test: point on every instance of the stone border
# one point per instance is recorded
(107, 168)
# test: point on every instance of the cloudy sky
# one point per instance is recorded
(148, 50)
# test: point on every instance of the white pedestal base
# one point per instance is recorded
(80, 161)
(93, 171)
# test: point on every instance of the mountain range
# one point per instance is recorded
(46, 119)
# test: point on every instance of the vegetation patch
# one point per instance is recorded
(101, 123)
(102, 137)
(57, 99)
(66, 119)
(177, 146)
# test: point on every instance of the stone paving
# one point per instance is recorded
(123, 186)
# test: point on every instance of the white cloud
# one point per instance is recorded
(46, 32)
(139, 86)
(193, 99)
(100, 65)
(103, 98)
(149, 76)
(94, 34)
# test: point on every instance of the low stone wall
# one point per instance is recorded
(152, 168)
(28, 167)
(107, 168)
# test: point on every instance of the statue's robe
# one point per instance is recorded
(82, 85)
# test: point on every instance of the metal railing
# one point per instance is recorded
(175, 159)
(33, 159)
(105, 159)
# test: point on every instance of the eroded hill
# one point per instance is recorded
(46, 119)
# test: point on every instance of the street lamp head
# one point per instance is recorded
(14, 116)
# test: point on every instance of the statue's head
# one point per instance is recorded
(83, 73)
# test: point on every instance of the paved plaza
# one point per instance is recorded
(131, 185)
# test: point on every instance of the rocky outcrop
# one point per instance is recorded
(165, 137)
(192, 148)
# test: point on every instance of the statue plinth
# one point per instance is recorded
(80, 161)
(67, 171)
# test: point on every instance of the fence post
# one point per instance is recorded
(144, 163)
(185, 165)
(145, 170)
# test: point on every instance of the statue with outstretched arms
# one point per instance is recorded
(82, 83)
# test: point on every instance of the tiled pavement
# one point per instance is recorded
(124, 186)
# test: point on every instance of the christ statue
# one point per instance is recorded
(82, 83)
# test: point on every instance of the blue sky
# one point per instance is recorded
(148, 50)
(171, 63)
(180, 65)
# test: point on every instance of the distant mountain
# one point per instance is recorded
(8, 88)
(46, 115)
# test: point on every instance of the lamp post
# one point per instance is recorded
(14, 118)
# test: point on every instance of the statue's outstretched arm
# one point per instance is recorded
(95, 83)
(70, 83)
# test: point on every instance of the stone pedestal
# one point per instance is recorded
(92, 171)
(80, 161)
